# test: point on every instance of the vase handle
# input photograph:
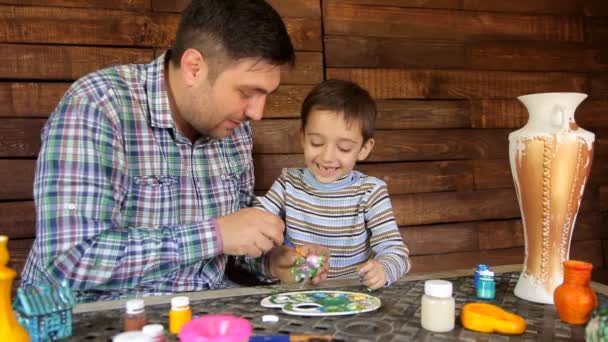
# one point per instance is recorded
(559, 118)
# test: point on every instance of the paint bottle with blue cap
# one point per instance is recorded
(479, 268)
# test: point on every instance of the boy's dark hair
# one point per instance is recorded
(343, 97)
(233, 29)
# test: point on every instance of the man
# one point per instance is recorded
(144, 170)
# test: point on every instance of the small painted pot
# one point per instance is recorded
(574, 299)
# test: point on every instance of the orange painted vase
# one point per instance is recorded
(574, 299)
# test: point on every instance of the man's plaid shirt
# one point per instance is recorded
(124, 202)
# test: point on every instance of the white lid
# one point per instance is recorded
(179, 302)
(438, 288)
(153, 329)
(135, 305)
(132, 336)
(486, 273)
(270, 318)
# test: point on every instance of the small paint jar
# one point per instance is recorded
(132, 336)
(486, 288)
(135, 316)
(216, 328)
(180, 313)
(156, 331)
(479, 268)
(438, 308)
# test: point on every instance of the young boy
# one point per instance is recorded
(328, 203)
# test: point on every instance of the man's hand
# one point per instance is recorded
(372, 274)
(250, 231)
(283, 258)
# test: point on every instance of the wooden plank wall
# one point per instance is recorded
(445, 72)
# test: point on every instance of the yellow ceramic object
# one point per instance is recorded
(10, 329)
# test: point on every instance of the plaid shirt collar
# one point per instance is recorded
(156, 89)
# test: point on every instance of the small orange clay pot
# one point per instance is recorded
(574, 299)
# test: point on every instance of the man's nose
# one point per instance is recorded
(255, 108)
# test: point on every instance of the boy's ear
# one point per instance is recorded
(194, 67)
(366, 149)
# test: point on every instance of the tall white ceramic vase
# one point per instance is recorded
(550, 161)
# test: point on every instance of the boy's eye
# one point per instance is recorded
(345, 150)
(315, 144)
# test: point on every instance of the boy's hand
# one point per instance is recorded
(283, 258)
(372, 274)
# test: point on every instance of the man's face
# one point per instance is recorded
(332, 146)
(238, 94)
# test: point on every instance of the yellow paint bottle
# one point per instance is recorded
(10, 329)
(180, 313)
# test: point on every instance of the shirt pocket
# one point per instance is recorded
(153, 201)
(227, 185)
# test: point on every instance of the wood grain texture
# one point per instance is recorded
(408, 114)
(458, 84)
(30, 99)
(18, 177)
(381, 21)
(596, 32)
(590, 251)
(26, 62)
(131, 5)
(604, 198)
(286, 102)
(571, 7)
(380, 52)
(95, 26)
(455, 237)
(444, 207)
(20, 137)
(510, 113)
(18, 219)
(286, 8)
(308, 69)
(492, 174)
(599, 86)
(19, 250)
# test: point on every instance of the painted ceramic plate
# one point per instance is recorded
(322, 303)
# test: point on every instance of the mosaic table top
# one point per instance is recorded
(398, 319)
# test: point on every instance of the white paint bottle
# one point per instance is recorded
(437, 310)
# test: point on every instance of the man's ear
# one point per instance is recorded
(194, 66)
(366, 149)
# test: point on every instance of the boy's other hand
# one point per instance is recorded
(372, 274)
(250, 231)
(313, 249)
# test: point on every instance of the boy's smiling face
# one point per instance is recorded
(332, 146)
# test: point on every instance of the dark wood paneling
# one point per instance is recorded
(404, 114)
(30, 99)
(268, 167)
(286, 8)
(356, 20)
(510, 233)
(596, 32)
(308, 69)
(604, 198)
(513, 6)
(436, 84)
(456, 237)
(492, 173)
(62, 25)
(596, 8)
(17, 176)
(442, 207)
(19, 250)
(599, 86)
(407, 178)
(282, 136)
(20, 137)
(132, 5)
(380, 52)
(590, 251)
(286, 101)
(32, 61)
(18, 219)
(510, 113)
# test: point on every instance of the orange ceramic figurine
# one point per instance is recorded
(10, 329)
(574, 299)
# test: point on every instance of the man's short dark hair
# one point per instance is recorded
(343, 97)
(233, 29)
